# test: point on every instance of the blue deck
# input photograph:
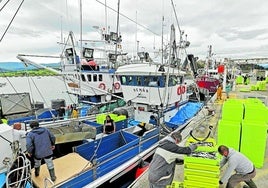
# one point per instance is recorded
(109, 152)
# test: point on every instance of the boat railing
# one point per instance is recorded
(48, 180)
(21, 174)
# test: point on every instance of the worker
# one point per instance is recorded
(219, 92)
(228, 88)
(244, 168)
(74, 113)
(108, 125)
(40, 143)
(162, 166)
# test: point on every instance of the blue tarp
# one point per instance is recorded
(185, 113)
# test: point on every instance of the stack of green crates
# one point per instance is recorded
(243, 127)
(253, 141)
(102, 117)
(261, 85)
(229, 133)
(255, 110)
(201, 172)
(229, 127)
(233, 109)
(254, 131)
(239, 80)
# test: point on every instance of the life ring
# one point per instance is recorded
(179, 90)
(117, 85)
(102, 86)
(183, 89)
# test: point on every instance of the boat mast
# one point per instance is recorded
(81, 32)
(162, 42)
(117, 29)
(81, 44)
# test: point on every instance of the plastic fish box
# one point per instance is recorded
(198, 166)
(253, 141)
(201, 179)
(205, 173)
(201, 160)
(233, 110)
(99, 127)
(102, 117)
(106, 154)
(175, 184)
(208, 145)
(225, 127)
(197, 184)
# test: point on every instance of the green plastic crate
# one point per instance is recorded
(225, 127)
(253, 141)
(175, 184)
(232, 110)
(256, 111)
(194, 184)
(208, 141)
(206, 173)
(101, 117)
(239, 80)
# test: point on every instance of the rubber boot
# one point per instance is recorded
(36, 171)
(52, 174)
(251, 184)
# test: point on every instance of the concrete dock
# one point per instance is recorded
(200, 125)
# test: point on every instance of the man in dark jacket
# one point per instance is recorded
(162, 166)
(40, 142)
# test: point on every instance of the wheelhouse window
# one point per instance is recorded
(83, 77)
(100, 77)
(123, 80)
(89, 78)
(172, 80)
(146, 81)
(95, 77)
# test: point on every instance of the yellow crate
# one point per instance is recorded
(200, 179)
(196, 184)
(205, 173)
(205, 167)
(210, 141)
(101, 118)
(205, 161)
(175, 184)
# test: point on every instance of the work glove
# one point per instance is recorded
(193, 147)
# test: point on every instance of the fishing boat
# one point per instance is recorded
(92, 79)
(209, 78)
(157, 105)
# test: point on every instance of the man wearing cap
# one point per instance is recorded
(162, 166)
(244, 168)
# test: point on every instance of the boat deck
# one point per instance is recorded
(203, 120)
(65, 168)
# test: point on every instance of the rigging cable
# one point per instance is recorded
(11, 19)
(129, 18)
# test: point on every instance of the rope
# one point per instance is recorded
(11, 19)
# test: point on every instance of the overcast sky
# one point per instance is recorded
(235, 29)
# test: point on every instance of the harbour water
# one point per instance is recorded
(41, 89)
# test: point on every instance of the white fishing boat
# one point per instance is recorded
(92, 79)
(156, 97)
